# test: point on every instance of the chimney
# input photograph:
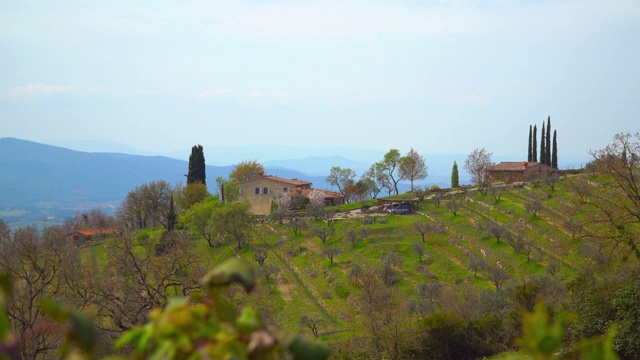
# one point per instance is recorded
(524, 164)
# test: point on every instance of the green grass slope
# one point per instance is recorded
(308, 283)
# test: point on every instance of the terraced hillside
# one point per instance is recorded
(451, 279)
(488, 244)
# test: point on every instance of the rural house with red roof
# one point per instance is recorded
(261, 191)
(517, 170)
(82, 235)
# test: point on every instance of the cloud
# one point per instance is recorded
(223, 93)
(36, 90)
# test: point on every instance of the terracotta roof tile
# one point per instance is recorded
(294, 182)
(288, 181)
(91, 232)
(513, 166)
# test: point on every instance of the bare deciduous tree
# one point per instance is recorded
(477, 164)
(475, 264)
(455, 204)
(260, 255)
(323, 233)
(146, 206)
(267, 271)
(498, 276)
(533, 206)
(313, 323)
(418, 248)
(297, 225)
(331, 252)
(614, 208)
(422, 227)
(36, 265)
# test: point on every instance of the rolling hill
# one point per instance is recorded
(39, 182)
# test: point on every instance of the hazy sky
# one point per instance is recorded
(438, 76)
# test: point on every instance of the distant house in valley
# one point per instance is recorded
(261, 191)
(82, 235)
(517, 170)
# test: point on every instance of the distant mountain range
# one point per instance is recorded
(39, 181)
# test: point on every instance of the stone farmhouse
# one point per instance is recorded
(517, 170)
(261, 191)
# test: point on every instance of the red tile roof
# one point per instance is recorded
(293, 182)
(513, 166)
(91, 232)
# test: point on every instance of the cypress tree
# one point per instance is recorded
(534, 145)
(529, 153)
(554, 157)
(455, 180)
(543, 146)
(171, 217)
(548, 142)
(196, 166)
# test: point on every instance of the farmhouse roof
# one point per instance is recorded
(514, 166)
(91, 232)
(293, 182)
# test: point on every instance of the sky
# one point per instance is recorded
(442, 77)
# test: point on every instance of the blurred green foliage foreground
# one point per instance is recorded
(202, 326)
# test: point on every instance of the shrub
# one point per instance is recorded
(342, 291)
(368, 220)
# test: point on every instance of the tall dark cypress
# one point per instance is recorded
(534, 145)
(548, 143)
(543, 146)
(529, 153)
(554, 157)
(172, 218)
(455, 180)
(197, 172)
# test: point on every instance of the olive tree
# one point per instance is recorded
(341, 178)
(232, 220)
(389, 166)
(412, 167)
(245, 170)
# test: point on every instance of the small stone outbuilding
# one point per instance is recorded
(517, 170)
